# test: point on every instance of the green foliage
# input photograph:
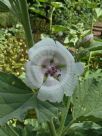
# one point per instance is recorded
(12, 131)
(90, 53)
(19, 9)
(71, 15)
(87, 99)
(8, 131)
(85, 129)
(7, 20)
(16, 99)
(95, 45)
(13, 51)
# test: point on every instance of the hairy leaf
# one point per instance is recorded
(12, 131)
(16, 98)
(87, 99)
(8, 131)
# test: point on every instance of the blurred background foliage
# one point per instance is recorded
(12, 49)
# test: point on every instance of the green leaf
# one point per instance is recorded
(57, 4)
(87, 99)
(8, 131)
(98, 12)
(43, 0)
(97, 52)
(3, 7)
(38, 11)
(28, 131)
(13, 131)
(16, 99)
(96, 74)
(58, 28)
(85, 129)
(95, 45)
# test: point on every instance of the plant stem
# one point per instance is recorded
(64, 116)
(26, 23)
(20, 9)
(13, 131)
(90, 55)
(65, 131)
(52, 128)
(51, 15)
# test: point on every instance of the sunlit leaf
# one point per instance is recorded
(38, 11)
(95, 45)
(98, 12)
(57, 4)
(58, 28)
(43, 0)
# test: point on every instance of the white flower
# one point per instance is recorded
(52, 70)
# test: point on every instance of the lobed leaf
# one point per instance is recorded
(87, 99)
(16, 99)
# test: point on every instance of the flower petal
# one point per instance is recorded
(47, 42)
(51, 90)
(69, 78)
(64, 51)
(78, 68)
(64, 73)
(42, 57)
(70, 85)
(34, 75)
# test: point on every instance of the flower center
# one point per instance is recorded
(51, 66)
(53, 70)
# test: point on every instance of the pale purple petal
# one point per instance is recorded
(34, 75)
(47, 42)
(42, 58)
(64, 51)
(51, 90)
(78, 68)
(63, 74)
(69, 85)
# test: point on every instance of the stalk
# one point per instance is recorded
(26, 23)
(64, 116)
(52, 128)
